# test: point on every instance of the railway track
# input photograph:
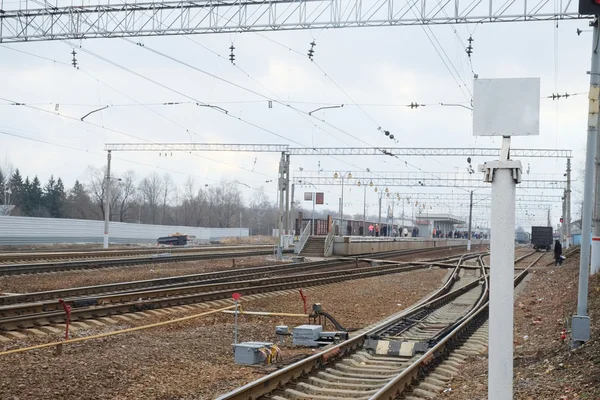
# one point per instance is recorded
(152, 257)
(38, 309)
(405, 356)
(18, 269)
(8, 258)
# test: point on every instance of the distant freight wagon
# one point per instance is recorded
(541, 237)
(175, 240)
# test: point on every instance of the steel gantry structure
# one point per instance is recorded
(339, 151)
(454, 197)
(60, 19)
(427, 179)
(283, 182)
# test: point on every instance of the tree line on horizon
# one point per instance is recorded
(153, 199)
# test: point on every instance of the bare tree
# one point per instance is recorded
(95, 189)
(167, 188)
(151, 189)
(225, 203)
(259, 210)
(126, 195)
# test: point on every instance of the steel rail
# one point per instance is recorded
(100, 253)
(47, 312)
(441, 350)
(129, 296)
(279, 379)
(53, 317)
(181, 279)
(186, 280)
(17, 269)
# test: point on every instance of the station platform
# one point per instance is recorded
(354, 245)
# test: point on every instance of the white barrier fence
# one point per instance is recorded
(26, 230)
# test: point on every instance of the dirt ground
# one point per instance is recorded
(193, 360)
(545, 367)
(65, 279)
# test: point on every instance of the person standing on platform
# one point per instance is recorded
(376, 229)
(371, 230)
(557, 253)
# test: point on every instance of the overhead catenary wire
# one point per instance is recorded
(8, 133)
(137, 102)
(406, 163)
(194, 101)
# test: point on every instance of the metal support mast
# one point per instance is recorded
(470, 222)
(288, 226)
(107, 200)
(568, 205)
(280, 189)
(581, 322)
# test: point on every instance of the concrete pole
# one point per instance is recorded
(312, 228)
(392, 228)
(502, 253)
(470, 222)
(280, 185)
(240, 224)
(568, 205)
(563, 226)
(292, 214)
(107, 200)
(581, 323)
(342, 227)
(365, 228)
(595, 266)
(286, 174)
(379, 223)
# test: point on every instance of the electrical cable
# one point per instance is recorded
(7, 133)
(117, 131)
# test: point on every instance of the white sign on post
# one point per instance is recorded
(506, 107)
(503, 107)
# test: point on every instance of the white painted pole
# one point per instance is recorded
(235, 324)
(107, 200)
(470, 222)
(504, 175)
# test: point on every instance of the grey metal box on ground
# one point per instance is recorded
(248, 353)
(306, 335)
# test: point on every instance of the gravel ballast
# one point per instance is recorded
(193, 360)
(67, 279)
(544, 365)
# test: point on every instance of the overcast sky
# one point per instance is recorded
(376, 67)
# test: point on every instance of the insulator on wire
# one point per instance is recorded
(231, 55)
(311, 51)
(469, 48)
(74, 60)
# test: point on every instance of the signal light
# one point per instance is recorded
(561, 220)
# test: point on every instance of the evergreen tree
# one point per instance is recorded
(17, 189)
(2, 187)
(24, 201)
(54, 197)
(61, 198)
(79, 202)
(35, 195)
